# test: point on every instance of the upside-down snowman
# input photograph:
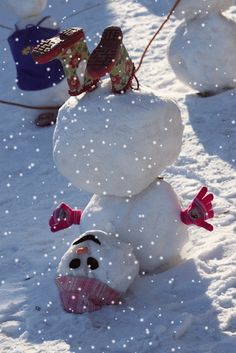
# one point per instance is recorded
(201, 52)
(114, 142)
(42, 85)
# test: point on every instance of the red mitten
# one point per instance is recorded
(199, 210)
(63, 217)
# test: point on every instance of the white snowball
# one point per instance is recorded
(116, 144)
(26, 8)
(189, 9)
(117, 268)
(149, 221)
(201, 53)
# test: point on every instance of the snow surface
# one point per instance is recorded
(186, 308)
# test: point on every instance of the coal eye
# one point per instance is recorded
(75, 263)
(92, 263)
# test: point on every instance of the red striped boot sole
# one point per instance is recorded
(49, 49)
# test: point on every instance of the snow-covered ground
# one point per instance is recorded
(187, 308)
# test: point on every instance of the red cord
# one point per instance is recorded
(156, 33)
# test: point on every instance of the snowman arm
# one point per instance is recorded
(199, 210)
(63, 217)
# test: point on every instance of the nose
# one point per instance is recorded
(82, 250)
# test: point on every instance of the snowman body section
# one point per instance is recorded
(116, 144)
(30, 29)
(200, 52)
(150, 221)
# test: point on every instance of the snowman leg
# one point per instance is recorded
(71, 49)
(111, 56)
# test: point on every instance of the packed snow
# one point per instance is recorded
(188, 307)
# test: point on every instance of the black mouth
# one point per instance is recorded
(85, 238)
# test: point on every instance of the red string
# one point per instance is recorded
(156, 33)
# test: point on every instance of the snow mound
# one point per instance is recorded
(116, 144)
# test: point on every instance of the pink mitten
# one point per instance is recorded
(63, 217)
(199, 210)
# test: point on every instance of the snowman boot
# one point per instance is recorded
(111, 56)
(71, 49)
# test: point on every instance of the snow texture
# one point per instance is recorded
(190, 307)
(117, 265)
(116, 144)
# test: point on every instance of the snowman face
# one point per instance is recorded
(27, 8)
(189, 9)
(99, 256)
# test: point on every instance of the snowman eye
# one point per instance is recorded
(92, 263)
(75, 263)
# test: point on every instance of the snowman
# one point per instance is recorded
(42, 85)
(201, 52)
(96, 270)
(115, 146)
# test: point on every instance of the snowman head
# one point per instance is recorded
(27, 8)
(97, 255)
(188, 9)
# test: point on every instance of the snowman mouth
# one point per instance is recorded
(81, 294)
(86, 238)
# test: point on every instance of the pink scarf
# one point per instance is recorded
(80, 294)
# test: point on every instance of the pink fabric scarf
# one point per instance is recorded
(80, 294)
